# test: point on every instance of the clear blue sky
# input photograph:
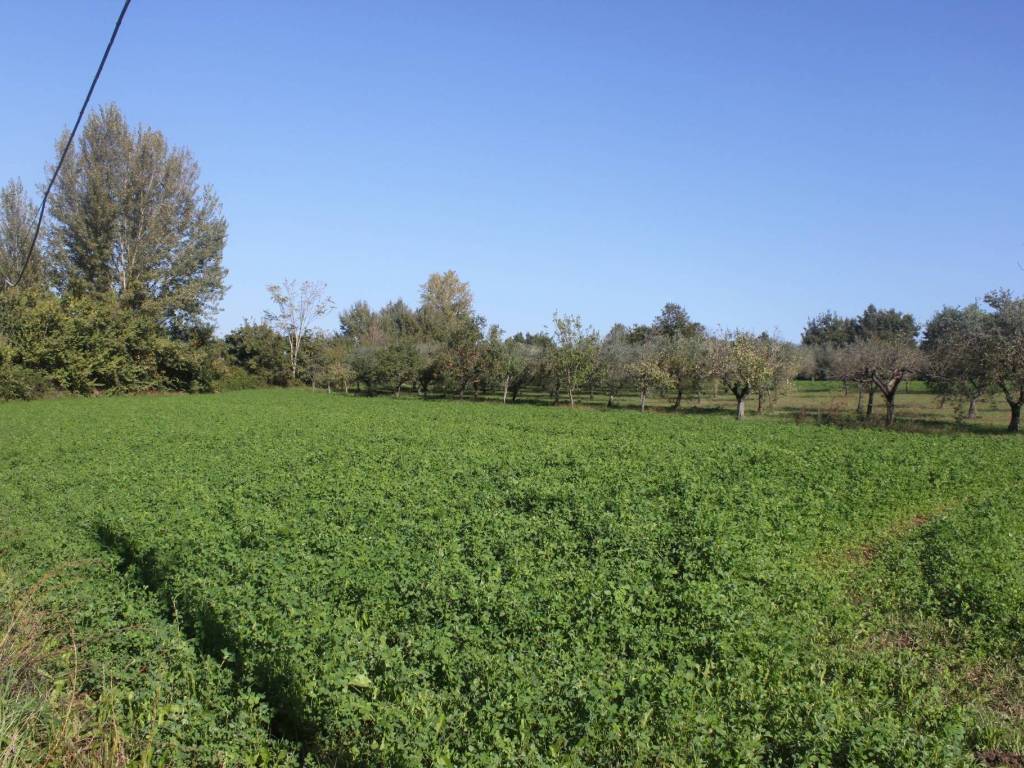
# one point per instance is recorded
(754, 162)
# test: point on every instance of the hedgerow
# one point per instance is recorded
(408, 583)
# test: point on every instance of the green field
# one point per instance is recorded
(279, 576)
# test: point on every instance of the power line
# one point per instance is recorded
(67, 146)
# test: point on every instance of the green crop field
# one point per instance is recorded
(279, 577)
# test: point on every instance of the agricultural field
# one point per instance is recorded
(286, 577)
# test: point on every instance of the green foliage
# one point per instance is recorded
(17, 215)
(971, 562)
(1004, 350)
(260, 350)
(91, 344)
(673, 322)
(575, 352)
(112, 651)
(18, 382)
(443, 583)
(886, 324)
(232, 378)
(129, 218)
(121, 288)
(828, 329)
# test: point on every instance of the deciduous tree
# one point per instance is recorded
(129, 217)
(260, 350)
(1004, 350)
(748, 363)
(575, 352)
(688, 362)
(447, 316)
(614, 357)
(646, 373)
(674, 322)
(298, 306)
(886, 324)
(955, 343)
(17, 222)
(829, 329)
(889, 362)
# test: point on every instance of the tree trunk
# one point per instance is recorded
(741, 402)
(295, 356)
(679, 399)
(1014, 417)
(760, 402)
(890, 409)
(972, 408)
(871, 401)
(504, 392)
(643, 400)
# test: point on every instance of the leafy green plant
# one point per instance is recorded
(445, 583)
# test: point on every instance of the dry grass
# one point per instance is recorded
(46, 718)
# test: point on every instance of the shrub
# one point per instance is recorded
(87, 345)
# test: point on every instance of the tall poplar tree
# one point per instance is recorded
(129, 217)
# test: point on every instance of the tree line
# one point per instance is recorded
(444, 346)
(122, 290)
(123, 293)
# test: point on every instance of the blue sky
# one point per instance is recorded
(754, 162)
